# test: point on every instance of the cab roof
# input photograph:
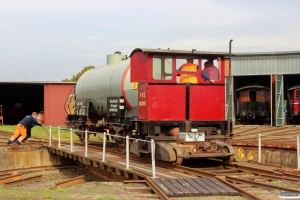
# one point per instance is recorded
(181, 52)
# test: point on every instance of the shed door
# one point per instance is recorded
(229, 91)
(279, 100)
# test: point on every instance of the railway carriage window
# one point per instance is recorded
(162, 68)
(298, 95)
(252, 95)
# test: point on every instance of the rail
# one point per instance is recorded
(69, 182)
(22, 181)
(279, 137)
(127, 139)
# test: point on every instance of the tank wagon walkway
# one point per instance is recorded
(172, 183)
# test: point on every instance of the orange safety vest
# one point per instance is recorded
(188, 78)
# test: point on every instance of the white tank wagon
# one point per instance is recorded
(94, 87)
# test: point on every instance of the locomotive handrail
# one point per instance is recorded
(104, 144)
(281, 137)
(127, 151)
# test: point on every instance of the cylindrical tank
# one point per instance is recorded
(111, 80)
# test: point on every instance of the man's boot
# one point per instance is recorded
(17, 143)
(9, 142)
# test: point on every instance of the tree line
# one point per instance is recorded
(77, 76)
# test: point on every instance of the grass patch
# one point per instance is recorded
(102, 185)
(259, 192)
(107, 198)
(38, 131)
(8, 128)
(62, 190)
(278, 183)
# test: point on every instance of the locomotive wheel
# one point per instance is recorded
(178, 160)
(228, 160)
(122, 147)
(82, 138)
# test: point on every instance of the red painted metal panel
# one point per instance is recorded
(296, 102)
(166, 102)
(142, 101)
(138, 71)
(207, 102)
(55, 97)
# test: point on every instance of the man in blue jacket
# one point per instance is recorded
(28, 132)
(22, 127)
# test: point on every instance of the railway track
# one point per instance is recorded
(272, 137)
(251, 180)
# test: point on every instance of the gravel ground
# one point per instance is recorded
(90, 191)
(93, 189)
(96, 188)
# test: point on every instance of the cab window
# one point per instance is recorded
(187, 64)
(212, 73)
(162, 68)
(180, 61)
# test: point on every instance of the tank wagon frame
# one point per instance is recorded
(143, 98)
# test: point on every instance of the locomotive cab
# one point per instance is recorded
(182, 111)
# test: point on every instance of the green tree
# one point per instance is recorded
(77, 76)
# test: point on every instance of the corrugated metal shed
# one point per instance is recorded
(265, 63)
(55, 96)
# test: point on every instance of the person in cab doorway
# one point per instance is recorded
(22, 127)
(211, 71)
(191, 67)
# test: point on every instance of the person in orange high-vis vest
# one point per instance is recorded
(190, 67)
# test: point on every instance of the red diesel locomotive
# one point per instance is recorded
(185, 119)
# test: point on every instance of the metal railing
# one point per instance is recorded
(280, 137)
(127, 139)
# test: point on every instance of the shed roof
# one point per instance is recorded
(275, 53)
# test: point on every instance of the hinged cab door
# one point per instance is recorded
(138, 65)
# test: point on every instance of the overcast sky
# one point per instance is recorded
(50, 40)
